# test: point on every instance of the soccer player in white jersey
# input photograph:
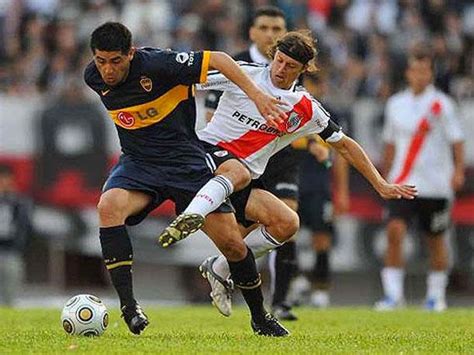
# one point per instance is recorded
(423, 146)
(239, 144)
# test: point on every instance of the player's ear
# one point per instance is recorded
(304, 69)
(252, 34)
(131, 53)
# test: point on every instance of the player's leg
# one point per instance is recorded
(317, 212)
(267, 209)
(434, 221)
(321, 275)
(114, 207)
(278, 223)
(393, 274)
(223, 230)
(283, 267)
(230, 175)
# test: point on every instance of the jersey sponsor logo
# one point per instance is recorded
(146, 83)
(126, 119)
(221, 153)
(148, 113)
(182, 57)
(293, 122)
(253, 123)
(105, 92)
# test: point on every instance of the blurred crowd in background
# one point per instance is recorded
(362, 43)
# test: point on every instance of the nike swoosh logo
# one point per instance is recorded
(105, 92)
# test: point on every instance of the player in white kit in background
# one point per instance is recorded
(424, 147)
(239, 143)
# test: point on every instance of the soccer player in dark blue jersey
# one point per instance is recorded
(149, 95)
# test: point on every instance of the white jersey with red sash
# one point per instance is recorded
(238, 127)
(423, 128)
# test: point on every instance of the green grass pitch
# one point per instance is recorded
(201, 330)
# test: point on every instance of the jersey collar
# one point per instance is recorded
(257, 56)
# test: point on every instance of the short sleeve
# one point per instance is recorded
(217, 81)
(322, 124)
(451, 121)
(182, 67)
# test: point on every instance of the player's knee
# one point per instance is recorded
(236, 172)
(396, 230)
(243, 179)
(109, 211)
(286, 225)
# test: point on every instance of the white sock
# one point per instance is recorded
(210, 196)
(392, 282)
(259, 241)
(436, 283)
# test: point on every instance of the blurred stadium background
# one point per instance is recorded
(60, 144)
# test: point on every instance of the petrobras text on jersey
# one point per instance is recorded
(253, 123)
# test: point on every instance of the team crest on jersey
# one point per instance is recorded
(221, 153)
(126, 119)
(146, 83)
(293, 122)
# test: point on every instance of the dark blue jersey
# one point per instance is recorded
(154, 108)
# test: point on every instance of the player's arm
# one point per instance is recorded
(341, 184)
(454, 132)
(357, 157)
(266, 104)
(458, 178)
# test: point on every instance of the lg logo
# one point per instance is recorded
(126, 119)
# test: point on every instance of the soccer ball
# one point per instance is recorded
(84, 315)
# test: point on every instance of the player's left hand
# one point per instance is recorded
(395, 191)
(269, 108)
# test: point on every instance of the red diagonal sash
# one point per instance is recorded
(417, 141)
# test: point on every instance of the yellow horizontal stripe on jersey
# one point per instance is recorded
(118, 264)
(206, 56)
(143, 115)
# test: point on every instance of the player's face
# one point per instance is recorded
(419, 74)
(265, 31)
(285, 70)
(6, 183)
(113, 66)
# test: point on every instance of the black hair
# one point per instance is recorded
(111, 37)
(270, 11)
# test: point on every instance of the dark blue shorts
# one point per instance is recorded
(315, 210)
(177, 183)
(281, 174)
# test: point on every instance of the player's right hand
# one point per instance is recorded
(395, 191)
(270, 108)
